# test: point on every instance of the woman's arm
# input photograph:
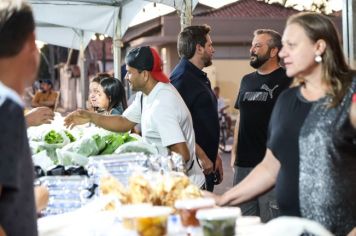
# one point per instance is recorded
(112, 123)
(261, 179)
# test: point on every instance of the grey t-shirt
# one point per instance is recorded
(17, 206)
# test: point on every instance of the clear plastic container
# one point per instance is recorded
(66, 193)
(146, 220)
(218, 221)
(188, 208)
(247, 225)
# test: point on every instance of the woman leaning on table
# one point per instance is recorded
(311, 155)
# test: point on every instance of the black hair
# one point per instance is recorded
(16, 25)
(189, 38)
(115, 91)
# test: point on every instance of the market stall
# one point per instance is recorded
(106, 183)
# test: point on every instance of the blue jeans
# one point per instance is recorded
(264, 206)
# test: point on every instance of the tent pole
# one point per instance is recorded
(83, 84)
(117, 43)
(186, 15)
(349, 33)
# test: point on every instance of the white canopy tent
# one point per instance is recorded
(71, 23)
(63, 36)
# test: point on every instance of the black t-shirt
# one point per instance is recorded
(257, 96)
(17, 205)
(195, 89)
(287, 119)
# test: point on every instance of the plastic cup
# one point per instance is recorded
(128, 214)
(146, 220)
(247, 225)
(188, 208)
(219, 221)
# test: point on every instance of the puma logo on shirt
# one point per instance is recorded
(270, 91)
(260, 95)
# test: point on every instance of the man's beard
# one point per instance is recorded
(207, 60)
(260, 60)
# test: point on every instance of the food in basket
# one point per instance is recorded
(174, 186)
(140, 190)
(155, 188)
(110, 185)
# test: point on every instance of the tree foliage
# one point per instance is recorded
(321, 6)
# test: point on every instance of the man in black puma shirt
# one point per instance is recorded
(258, 93)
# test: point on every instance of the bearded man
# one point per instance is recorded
(258, 93)
(195, 49)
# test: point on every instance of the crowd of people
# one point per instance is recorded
(295, 134)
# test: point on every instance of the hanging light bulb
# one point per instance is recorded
(101, 37)
(39, 44)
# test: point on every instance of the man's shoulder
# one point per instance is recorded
(10, 106)
(248, 77)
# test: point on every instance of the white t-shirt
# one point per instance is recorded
(165, 121)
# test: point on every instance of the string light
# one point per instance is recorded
(101, 37)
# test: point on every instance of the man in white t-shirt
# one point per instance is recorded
(165, 119)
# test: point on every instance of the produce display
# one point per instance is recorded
(53, 146)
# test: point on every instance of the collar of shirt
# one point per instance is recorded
(198, 72)
(6, 92)
(155, 90)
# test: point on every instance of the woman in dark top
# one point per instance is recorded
(311, 155)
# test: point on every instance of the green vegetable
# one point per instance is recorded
(70, 136)
(128, 138)
(100, 142)
(113, 141)
(52, 137)
(224, 227)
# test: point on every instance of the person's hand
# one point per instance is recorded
(41, 197)
(219, 168)
(38, 116)
(78, 117)
(208, 194)
(353, 111)
(353, 232)
(207, 165)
